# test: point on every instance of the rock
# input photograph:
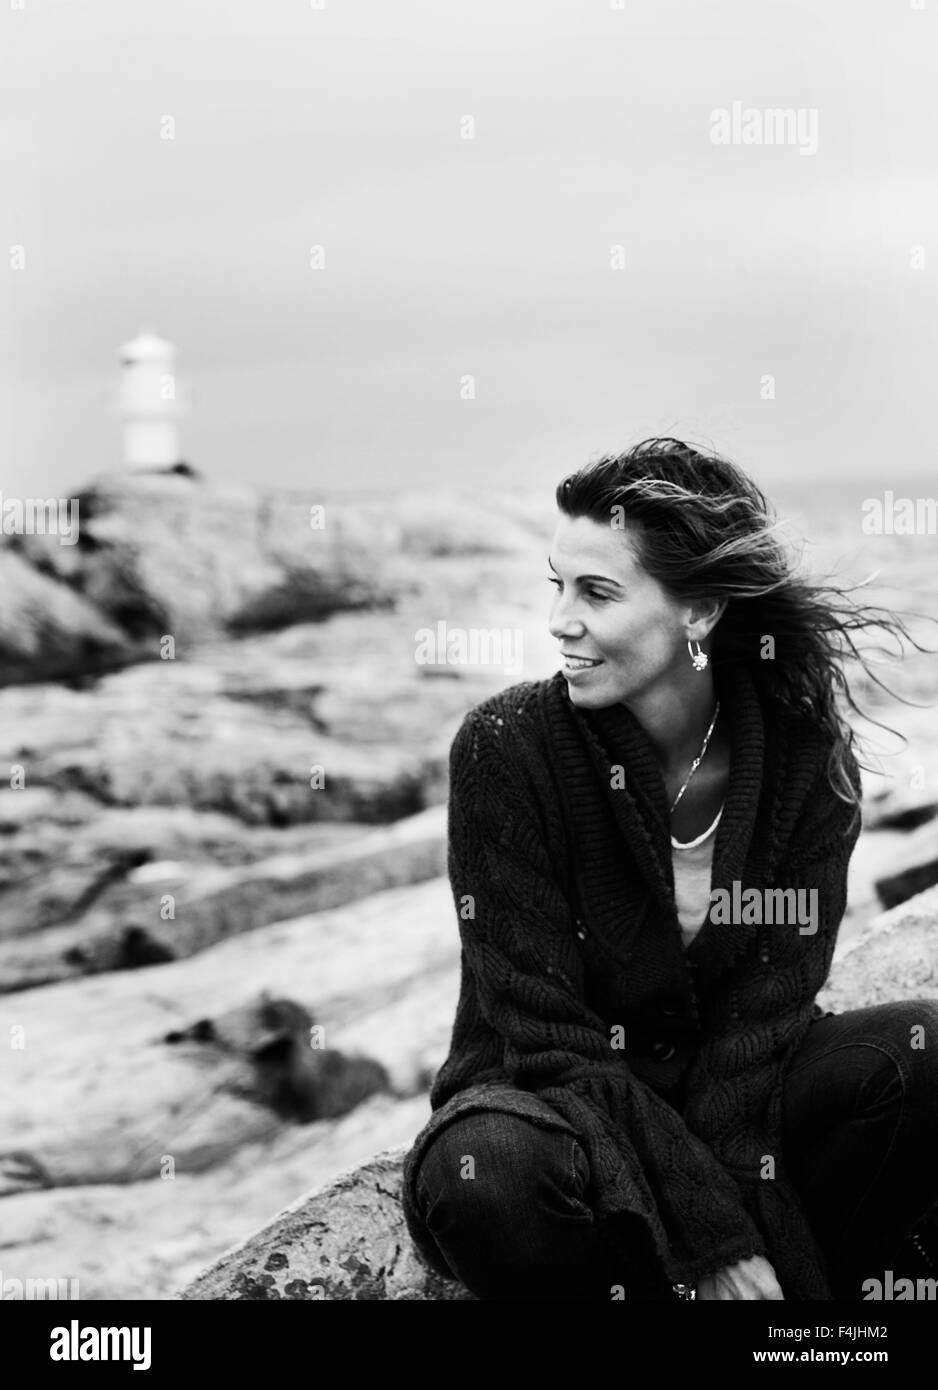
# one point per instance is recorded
(125, 927)
(144, 1109)
(894, 956)
(145, 1240)
(58, 851)
(169, 733)
(91, 1092)
(216, 745)
(346, 1241)
(48, 631)
(192, 1098)
(173, 554)
(293, 1074)
(166, 553)
(914, 869)
(233, 732)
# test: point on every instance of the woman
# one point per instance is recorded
(648, 855)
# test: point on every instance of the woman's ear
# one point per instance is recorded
(704, 616)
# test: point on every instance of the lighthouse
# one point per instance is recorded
(148, 402)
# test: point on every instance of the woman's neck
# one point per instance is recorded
(676, 719)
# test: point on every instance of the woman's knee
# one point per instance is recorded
(907, 1036)
(494, 1166)
(503, 1197)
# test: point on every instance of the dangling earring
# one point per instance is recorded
(700, 658)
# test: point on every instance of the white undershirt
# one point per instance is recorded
(692, 865)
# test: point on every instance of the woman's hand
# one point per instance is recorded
(749, 1279)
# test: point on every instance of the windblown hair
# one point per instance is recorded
(705, 530)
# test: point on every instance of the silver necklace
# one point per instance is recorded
(699, 758)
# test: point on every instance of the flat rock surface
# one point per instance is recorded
(170, 908)
(94, 1094)
(147, 1240)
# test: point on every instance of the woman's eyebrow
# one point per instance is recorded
(604, 579)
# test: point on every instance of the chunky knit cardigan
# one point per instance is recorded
(667, 1063)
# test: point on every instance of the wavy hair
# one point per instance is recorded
(704, 529)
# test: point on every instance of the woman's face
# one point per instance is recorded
(608, 608)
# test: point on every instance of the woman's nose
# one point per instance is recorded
(562, 622)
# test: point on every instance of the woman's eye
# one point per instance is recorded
(592, 594)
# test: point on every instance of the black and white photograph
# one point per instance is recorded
(468, 672)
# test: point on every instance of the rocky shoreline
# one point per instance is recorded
(212, 851)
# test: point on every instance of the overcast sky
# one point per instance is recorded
(446, 257)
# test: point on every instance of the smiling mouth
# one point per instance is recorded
(580, 663)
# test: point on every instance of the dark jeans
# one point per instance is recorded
(860, 1142)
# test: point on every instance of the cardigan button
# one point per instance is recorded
(662, 1051)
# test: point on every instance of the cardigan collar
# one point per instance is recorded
(588, 745)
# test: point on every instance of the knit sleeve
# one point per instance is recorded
(662, 1197)
(736, 1085)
